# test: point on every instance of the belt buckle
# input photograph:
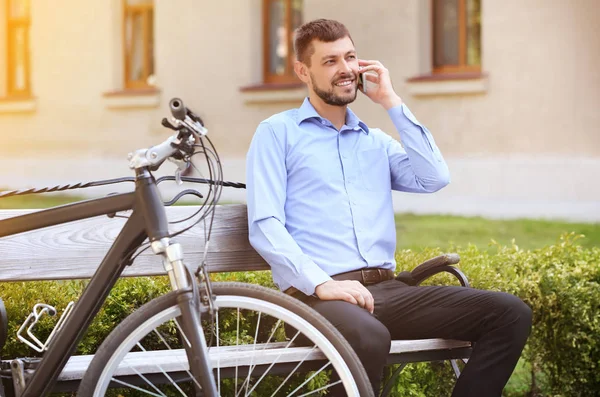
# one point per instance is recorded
(369, 280)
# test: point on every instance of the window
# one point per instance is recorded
(281, 18)
(17, 35)
(456, 36)
(138, 43)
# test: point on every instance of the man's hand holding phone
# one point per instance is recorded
(383, 94)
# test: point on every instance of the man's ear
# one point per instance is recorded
(301, 71)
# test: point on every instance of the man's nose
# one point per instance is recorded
(347, 69)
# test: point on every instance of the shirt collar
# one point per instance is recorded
(307, 111)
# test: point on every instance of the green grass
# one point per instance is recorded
(445, 231)
(36, 201)
(519, 384)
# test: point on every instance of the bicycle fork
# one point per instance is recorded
(189, 304)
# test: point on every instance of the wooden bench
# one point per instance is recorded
(74, 250)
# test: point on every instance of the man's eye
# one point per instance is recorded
(352, 56)
(329, 62)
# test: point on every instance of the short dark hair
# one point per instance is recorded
(326, 30)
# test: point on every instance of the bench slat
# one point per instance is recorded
(230, 356)
(75, 250)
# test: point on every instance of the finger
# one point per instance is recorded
(375, 71)
(348, 298)
(376, 68)
(354, 288)
(371, 75)
(369, 62)
(373, 78)
(359, 298)
(368, 297)
(370, 302)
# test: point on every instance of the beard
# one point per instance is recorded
(330, 97)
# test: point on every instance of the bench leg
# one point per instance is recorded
(388, 385)
(455, 368)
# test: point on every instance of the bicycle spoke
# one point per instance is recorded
(251, 368)
(218, 358)
(136, 388)
(265, 347)
(161, 370)
(169, 347)
(320, 388)
(295, 368)
(187, 342)
(145, 379)
(276, 360)
(237, 344)
(309, 379)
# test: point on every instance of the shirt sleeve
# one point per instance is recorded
(417, 167)
(266, 181)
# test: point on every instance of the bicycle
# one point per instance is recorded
(181, 330)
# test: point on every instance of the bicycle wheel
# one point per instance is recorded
(261, 343)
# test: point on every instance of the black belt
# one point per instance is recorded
(364, 276)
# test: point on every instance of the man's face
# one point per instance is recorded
(334, 71)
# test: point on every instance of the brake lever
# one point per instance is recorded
(167, 124)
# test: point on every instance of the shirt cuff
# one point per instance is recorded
(403, 118)
(312, 276)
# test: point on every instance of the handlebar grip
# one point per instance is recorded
(177, 108)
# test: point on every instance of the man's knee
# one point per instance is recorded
(514, 312)
(369, 338)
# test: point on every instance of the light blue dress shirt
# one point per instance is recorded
(320, 201)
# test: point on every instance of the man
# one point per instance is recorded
(319, 187)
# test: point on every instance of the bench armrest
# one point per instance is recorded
(442, 263)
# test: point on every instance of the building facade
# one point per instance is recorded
(509, 89)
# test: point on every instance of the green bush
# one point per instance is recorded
(561, 283)
(19, 298)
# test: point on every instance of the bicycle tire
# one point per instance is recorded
(135, 327)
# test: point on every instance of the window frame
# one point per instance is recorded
(462, 67)
(12, 25)
(146, 9)
(270, 78)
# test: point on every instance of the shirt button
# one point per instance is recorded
(323, 122)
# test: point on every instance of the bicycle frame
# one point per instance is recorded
(148, 220)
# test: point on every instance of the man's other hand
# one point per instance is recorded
(349, 291)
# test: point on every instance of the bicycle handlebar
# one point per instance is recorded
(180, 146)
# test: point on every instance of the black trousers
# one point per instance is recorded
(497, 322)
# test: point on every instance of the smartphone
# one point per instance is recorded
(362, 82)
